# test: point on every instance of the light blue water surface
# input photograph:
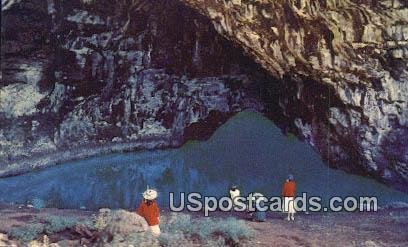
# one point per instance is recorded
(248, 150)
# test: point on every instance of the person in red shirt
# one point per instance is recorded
(288, 193)
(149, 210)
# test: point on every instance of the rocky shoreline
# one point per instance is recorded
(44, 160)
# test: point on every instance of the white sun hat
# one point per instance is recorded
(150, 194)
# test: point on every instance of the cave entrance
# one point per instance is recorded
(117, 74)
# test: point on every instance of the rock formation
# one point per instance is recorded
(76, 75)
(156, 73)
(357, 49)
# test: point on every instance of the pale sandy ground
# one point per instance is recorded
(384, 228)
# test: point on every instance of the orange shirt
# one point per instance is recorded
(149, 212)
(289, 189)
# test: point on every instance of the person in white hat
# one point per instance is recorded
(149, 210)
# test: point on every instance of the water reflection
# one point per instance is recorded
(248, 150)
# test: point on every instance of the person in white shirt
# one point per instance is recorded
(234, 194)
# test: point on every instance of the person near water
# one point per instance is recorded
(149, 210)
(258, 215)
(234, 194)
(288, 193)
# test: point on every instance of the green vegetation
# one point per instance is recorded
(27, 233)
(206, 231)
(178, 229)
(48, 225)
(124, 228)
(59, 223)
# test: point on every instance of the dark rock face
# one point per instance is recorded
(113, 72)
(150, 74)
(356, 49)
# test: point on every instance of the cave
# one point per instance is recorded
(100, 73)
(294, 100)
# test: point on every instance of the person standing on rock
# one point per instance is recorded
(288, 193)
(149, 210)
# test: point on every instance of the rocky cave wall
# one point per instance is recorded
(78, 76)
(157, 73)
(356, 49)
